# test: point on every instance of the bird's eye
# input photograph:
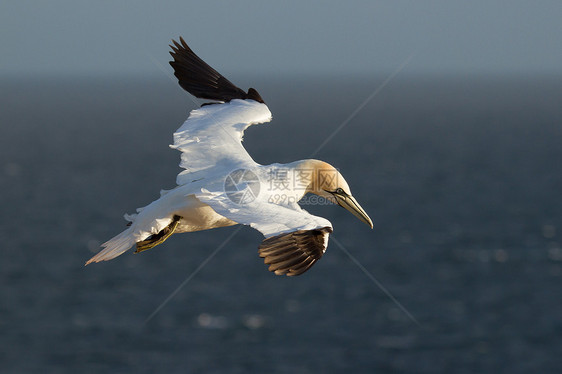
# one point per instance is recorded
(339, 191)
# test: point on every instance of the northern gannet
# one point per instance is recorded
(223, 186)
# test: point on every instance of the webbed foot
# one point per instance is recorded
(154, 240)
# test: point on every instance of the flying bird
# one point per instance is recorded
(223, 186)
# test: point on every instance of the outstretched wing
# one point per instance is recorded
(212, 135)
(295, 239)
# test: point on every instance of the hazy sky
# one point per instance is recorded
(113, 37)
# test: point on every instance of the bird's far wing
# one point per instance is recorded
(211, 138)
(212, 135)
(295, 239)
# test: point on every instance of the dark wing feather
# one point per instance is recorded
(294, 253)
(202, 81)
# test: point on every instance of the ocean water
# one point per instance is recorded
(461, 175)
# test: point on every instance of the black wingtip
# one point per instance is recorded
(201, 80)
(254, 95)
(294, 253)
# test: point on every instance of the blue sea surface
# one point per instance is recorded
(461, 175)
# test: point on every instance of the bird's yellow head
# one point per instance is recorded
(328, 182)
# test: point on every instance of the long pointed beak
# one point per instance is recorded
(348, 202)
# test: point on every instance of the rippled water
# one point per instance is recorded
(461, 176)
